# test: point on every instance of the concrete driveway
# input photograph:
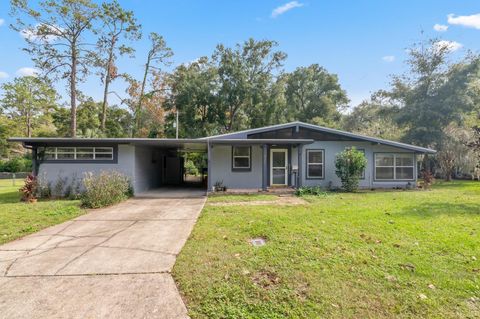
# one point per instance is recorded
(110, 263)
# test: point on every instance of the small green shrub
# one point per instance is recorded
(104, 189)
(349, 166)
(310, 190)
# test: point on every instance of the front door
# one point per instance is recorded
(278, 167)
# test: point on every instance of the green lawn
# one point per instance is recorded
(240, 198)
(18, 219)
(400, 254)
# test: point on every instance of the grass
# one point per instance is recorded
(396, 254)
(240, 198)
(18, 219)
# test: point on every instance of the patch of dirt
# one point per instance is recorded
(266, 279)
(281, 200)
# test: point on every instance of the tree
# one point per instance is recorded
(55, 36)
(454, 153)
(149, 121)
(26, 99)
(158, 55)
(116, 23)
(374, 117)
(433, 93)
(314, 95)
(349, 165)
(193, 90)
(245, 79)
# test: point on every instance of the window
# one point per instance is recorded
(241, 157)
(76, 153)
(394, 166)
(315, 164)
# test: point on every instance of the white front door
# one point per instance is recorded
(278, 167)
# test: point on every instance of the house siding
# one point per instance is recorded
(73, 172)
(333, 148)
(147, 170)
(221, 168)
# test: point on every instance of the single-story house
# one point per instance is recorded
(286, 155)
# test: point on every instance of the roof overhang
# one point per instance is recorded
(184, 144)
(261, 141)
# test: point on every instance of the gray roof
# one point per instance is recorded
(245, 133)
(239, 137)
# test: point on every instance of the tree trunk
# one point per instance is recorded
(73, 93)
(108, 78)
(140, 99)
(29, 124)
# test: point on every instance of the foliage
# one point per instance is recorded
(192, 93)
(29, 189)
(118, 124)
(16, 164)
(454, 153)
(310, 190)
(190, 168)
(311, 92)
(104, 189)
(246, 74)
(54, 31)
(374, 117)
(117, 23)
(427, 179)
(434, 92)
(346, 255)
(26, 100)
(146, 105)
(349, 165)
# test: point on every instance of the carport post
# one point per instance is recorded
(300, 163)
(264, 167)
(209, 167)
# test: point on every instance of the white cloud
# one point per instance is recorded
(449, 45)
(26, 71)
(440, 27)
(3, 75)
(32, 35)
(389, 58)
(471, 21)
(2, 22)
(286, 7)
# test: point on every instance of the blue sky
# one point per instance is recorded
(361, 41)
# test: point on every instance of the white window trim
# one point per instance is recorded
(322, 163)
(94, 152)
(394, 166)
(242, 156)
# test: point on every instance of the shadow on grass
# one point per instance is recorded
(430, 210)
(9, 197)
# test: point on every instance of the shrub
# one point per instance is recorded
(104, 189)
(428, 179)
(349, 166)
(29, 189)
(310, 190)
(190, 168)
(16, 164)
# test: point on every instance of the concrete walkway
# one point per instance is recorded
(110, 263)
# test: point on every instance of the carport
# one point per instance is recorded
(151, 164)
(160, 165)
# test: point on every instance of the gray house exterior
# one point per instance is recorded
(287, 155)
